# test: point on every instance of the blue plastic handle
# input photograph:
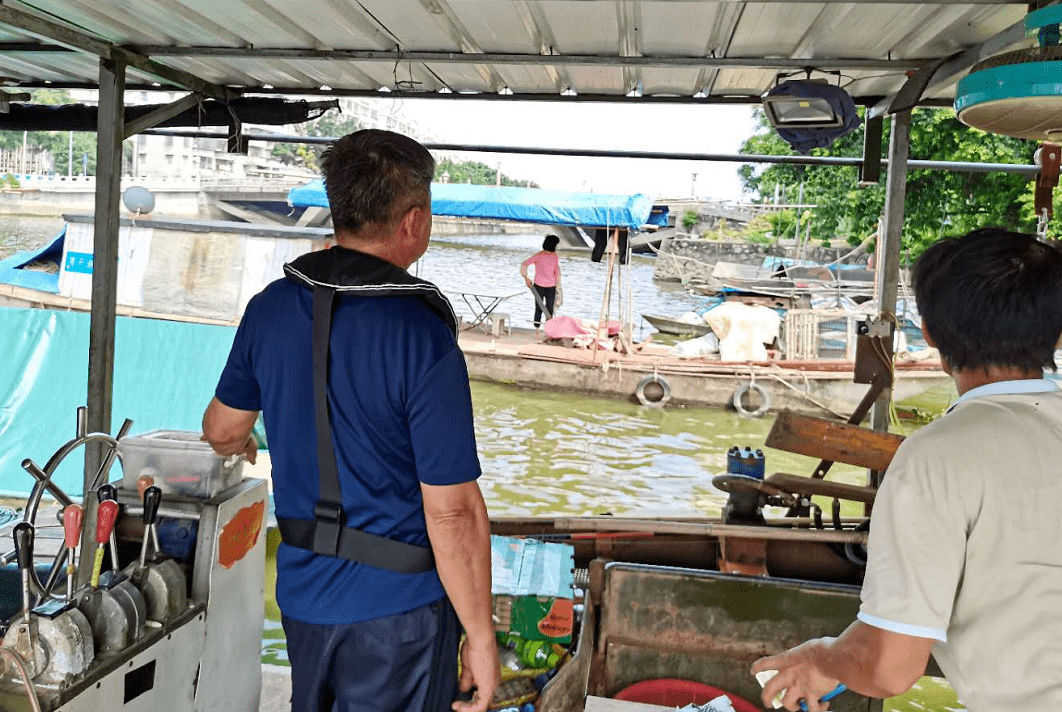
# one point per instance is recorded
(827, 697)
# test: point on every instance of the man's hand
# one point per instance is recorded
(527, 281)
(798, 675)
(250, 450)
(228, 430)
(480, 669)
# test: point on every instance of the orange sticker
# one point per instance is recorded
(558, 622)
(240, 535)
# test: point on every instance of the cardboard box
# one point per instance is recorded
(532, 588)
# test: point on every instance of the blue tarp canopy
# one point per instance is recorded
(12, 272)
(531, 205)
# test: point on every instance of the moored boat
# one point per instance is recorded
(669, 325)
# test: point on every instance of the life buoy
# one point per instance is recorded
(654, 399)
(742, 391)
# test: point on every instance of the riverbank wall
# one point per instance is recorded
(444, 226)
(691, 260)
(55, 198)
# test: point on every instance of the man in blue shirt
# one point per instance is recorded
(364, 500)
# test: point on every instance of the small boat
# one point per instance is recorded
(667, 325)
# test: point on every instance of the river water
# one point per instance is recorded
(565, 454)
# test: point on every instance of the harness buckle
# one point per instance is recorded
(329, 523)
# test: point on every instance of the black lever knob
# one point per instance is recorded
(23, 535)
(107, 492)
(152, 499)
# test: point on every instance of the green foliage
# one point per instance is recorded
(938, 202)
(330, 125)
(770, 227)
(57, 143)
(10, 181)
(84, 145)
(689, 219)
(476, 173)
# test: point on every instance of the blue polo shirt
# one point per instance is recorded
(401, 415)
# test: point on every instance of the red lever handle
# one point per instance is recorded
(142, 483)
(73, 516)
(105, 517)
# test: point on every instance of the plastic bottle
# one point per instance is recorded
(537, 654)
(509, 659)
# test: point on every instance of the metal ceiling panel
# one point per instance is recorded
(496, 27)
(774, 29)
(413, 24)
(674, 82)
(583, 27)
(684, 29)
(228, 43)
(743, 82)
(597, 80)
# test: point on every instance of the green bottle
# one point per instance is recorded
(536, 654)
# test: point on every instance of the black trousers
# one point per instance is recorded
(549, 296)
(401, 663)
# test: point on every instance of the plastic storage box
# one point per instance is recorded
(178, 462)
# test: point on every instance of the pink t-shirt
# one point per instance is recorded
(547, 268)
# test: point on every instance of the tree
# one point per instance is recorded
(55, 143)
(938, 203)
(308, 156)
(476, 173)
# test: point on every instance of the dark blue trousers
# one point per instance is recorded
(402, 663)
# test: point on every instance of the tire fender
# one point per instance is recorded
(742, 391)
(661, 400)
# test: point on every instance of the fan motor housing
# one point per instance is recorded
(1018, 93)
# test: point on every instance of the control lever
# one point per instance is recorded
(142, 483)
(152, 499)
(105, 492)
(73, 517)
(23, 535)
(105, 516)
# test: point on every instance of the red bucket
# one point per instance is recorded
(679, 693)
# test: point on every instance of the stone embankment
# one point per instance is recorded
(689, 260)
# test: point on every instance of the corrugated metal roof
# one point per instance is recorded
(691, 51)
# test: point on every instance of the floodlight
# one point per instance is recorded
(803, 112)
(809, 113)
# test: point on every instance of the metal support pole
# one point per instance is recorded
(109, 128)
(888, 249)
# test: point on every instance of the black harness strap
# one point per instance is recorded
(327, 533)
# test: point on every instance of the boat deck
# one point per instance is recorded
(815, 387)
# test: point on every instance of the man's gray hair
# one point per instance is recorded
(374, 176)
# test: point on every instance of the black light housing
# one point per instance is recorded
(808, 113)
(791, 111)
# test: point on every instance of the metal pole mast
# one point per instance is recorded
(888, 252)
(109, 129)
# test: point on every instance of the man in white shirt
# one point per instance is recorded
(964, 554)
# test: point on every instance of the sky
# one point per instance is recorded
(659, 127)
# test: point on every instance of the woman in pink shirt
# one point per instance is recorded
(547, 277)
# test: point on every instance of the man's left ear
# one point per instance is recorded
(411, 220)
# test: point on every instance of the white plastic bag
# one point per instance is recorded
(743, 330)
(701, 346)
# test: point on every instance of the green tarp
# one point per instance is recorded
(164, 376)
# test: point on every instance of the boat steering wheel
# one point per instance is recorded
(43, 482)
